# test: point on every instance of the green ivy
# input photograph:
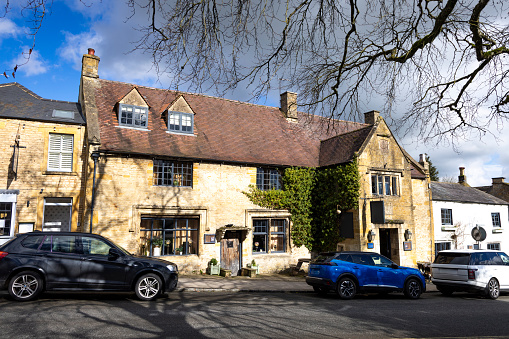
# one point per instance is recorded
(335, 188)
(312, 196)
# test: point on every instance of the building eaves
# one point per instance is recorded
(454, 192)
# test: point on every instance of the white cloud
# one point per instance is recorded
(34, 66)
(8, 29)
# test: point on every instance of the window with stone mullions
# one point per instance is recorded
(384, 185)
(268, 179)
(269, 239)
(133, 116)
(173, 173)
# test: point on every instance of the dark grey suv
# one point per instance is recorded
(37, 261)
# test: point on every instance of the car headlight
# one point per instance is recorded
(172, 267)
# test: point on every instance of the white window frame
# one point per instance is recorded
(12, 199)
(60, 152)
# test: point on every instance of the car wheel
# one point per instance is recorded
(25, 286)
(493, 289)
(148, 287)
(320, 290)
(346, 288)
(413, 289)
(445, 291)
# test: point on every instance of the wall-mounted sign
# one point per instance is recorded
(371, 245)
(209, 239)
(407, 245)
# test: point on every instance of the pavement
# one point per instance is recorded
(260, 283)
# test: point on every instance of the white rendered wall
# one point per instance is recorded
(465, 216)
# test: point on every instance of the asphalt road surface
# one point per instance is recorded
(253, 315)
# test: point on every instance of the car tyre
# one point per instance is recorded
(148, 287)
(493, 289)
(25, 286)
(413, 289)
(346, 288)
(445, 291)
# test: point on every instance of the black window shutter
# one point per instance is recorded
(346, 225)
(377, 212)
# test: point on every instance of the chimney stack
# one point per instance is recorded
(462, 178)
(370, 118)
(90, 64)
(289, 105)
(499, 180)
(423, 162)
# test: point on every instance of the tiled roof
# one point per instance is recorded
(342, 148)
(443, 191)
(18, 102)
(224, 130)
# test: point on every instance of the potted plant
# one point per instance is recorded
(156, 246)
(214, 268)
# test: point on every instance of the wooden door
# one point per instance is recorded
(230, 255)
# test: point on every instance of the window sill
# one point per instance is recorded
(181, 133)
(497, 230)
(134, 128)
(170, 186)
(449, 228)
(74, 174)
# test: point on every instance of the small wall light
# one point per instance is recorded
(408, 234)
(371, 235)
(28, 203)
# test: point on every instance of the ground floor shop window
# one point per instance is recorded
(57, 214)
(5, 218)
(169, 236)
(269, 235)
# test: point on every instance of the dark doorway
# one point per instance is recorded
(385, 242)
(230, 252)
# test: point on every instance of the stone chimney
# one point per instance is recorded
(462, 178)
(499, 180)
(90, 64)
(289, 105)
(423, 162)
(370, 118)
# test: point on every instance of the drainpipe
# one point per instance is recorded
(95, 157)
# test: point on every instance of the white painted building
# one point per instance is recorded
(459, 208)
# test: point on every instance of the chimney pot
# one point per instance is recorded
(91, 51)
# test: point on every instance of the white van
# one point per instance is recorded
(482, 271)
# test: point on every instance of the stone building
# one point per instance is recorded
(41, 143)
(499, 188)
(167, 171)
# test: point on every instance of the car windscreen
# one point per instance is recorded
(452, 258)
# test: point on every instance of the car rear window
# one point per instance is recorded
(32, 241)
(324, 258)
(453, 258)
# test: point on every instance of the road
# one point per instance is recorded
(253, 315)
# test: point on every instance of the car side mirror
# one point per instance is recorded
(113, 254)
(394, 266)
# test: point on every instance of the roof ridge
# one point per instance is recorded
(23, 88)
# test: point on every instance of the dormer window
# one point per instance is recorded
(180, 122)
(132, 116)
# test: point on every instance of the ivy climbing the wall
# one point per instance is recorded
(312, 196)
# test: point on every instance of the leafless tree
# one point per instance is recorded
(439, 65)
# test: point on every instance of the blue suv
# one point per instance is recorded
(350, 272)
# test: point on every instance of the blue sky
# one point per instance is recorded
(72, 26)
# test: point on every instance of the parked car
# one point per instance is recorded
(481, 271)
(348, 273)
(37, 261)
